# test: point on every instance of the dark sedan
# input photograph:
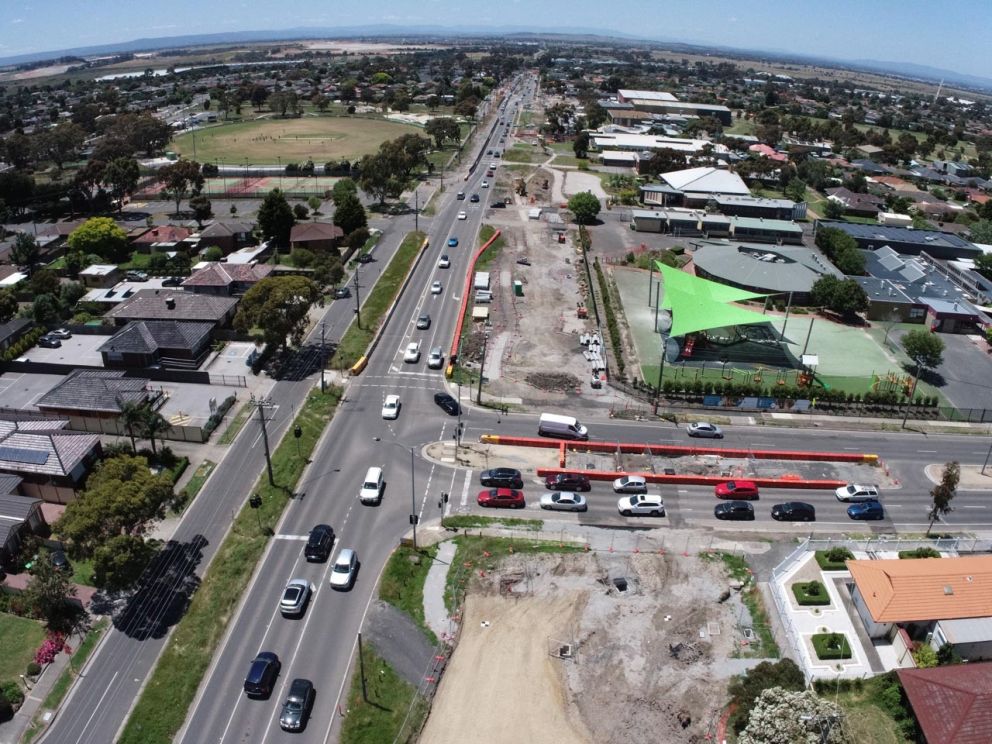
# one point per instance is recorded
(502, 478)
(794, 511)
(448, 404)
(734, 510)
(567, 482)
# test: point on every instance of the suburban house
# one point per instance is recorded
(315, 236)
(225, 279)
(13, 331)
(19, 516)
(174, 304)
(100, 275)
(51, 462)
(97, 394)
(854, 203)
(228, 235)
(171, 344)
(952, 704)
(161, 238)
(693, 187)
(927, 600)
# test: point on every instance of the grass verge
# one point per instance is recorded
(379, 715)
(193, 486)
(402, 583)
(61, 687)
(463, 521)
(356, 340)
(162, 707)
(236, 425)
(751, 597)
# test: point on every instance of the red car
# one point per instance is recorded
(502, 498)
(742, 489)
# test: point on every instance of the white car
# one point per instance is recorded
(463, 215)
(564, 501)
(412, 353)
(704, 429)
(857, 492)
(435, 360)
(444, 262)
(436, 288)
(391, 407)
(343, 571)
(492, 166)
(630, 484)
(649, 504)
(295, 597)
(485, 184)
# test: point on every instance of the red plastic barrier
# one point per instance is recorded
(469, 278)
(672, 450)
(700, 480)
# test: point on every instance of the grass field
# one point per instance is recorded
(380, 716)
(317, 138)
(402, 583)
(19, 639)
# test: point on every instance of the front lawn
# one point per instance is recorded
(19, 639)
(875, 709)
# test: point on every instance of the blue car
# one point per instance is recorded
(452, 242)
(866, 510)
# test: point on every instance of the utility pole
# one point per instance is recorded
(261, 404)
(323, 357)
(912, 392)
(358, 303)
(482, 367)
(416, 209)
(661, 372)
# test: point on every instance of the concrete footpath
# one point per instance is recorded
(435, 613)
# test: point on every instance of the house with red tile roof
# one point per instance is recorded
(952, 704)
(161, 238)
(224, 279)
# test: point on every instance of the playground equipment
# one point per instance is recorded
(891, 382)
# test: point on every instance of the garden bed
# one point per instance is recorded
(810, 593)
(831, 646)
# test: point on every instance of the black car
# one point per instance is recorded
(474, 198)
(262, 675)
(501, 478)
(172, 281)
(734, 510)
(448, 404)
(60, 562)
(341, 293)
(366, 258)
(498, 205)
(49, 342)
(319, 545)
(567, 482)
(794, 511)
(296, 709)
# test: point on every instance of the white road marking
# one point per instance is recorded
(927, 452)
(972, 506)
(96, 708)
(292, 537)
(468, 482)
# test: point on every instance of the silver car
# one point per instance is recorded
(705, 430)
(630, 484)
(435, 360)
(295, 597)
(343, 571)
(564, 501)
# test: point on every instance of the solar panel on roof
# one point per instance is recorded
(19, 454)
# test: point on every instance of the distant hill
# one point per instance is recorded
(909, 69)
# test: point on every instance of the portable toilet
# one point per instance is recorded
(518, 288)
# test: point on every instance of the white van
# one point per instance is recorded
(561, 427)
(371, 491)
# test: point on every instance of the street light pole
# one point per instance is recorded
(323, 357)
(912, 392)
(661, 371)
(482, 366)
(358, 304)
(413, 490)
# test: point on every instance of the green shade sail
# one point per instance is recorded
(699, 304)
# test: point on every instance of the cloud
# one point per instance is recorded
(17, 20)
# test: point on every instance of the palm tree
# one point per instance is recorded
(132, 415)
(152, 425)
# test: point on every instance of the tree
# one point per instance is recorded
(302, 258)
(442, 129)
(69, 294)
(278, 306)
(179, 179)
(981, 231)
(100, 236)
(585, 207)
(258, 96)
(25, 252)
(122, 497)
(405, 154)
(59, 144)
(842, 296)
(300, 212)
(152, 425)
(119, 562)
(121, 176)
(48, 592)
(794, 716)
(349, 213)
(942, 493)
(202, 209)
(213, 253)
(343, 187)
(833, 210)
(45, 310)
(664, 160)
(924, 348)
(275, 218)
(8, 305)
(378, 177)
(796, 190)
(581, 145)
(314, 203)
(142, 132)
(842, 249)
(745, 688)
(131, 417)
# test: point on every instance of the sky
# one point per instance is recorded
(951, 35)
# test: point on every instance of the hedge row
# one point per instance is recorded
(616, 339)
(831, 646)
(24, 344)
(833, 559)
(810, 593)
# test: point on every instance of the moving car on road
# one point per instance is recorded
(502, 478)
(734, 510)
(564, 501)
(794, 511)
(319, 543)
(435, 360)
(296, 709)
(567, 482)
(391, 407)
(424, 322)
(501, 498)
(412, 353)
(295, 597)
(444, 262)
(857, 492)
(630, 484)
(448, 404)
(344, 569)
(704, 430)
(866, 510)
(436, 288)
(647, 504)
(741, 489)
(262, 675)
(452, 242)
(463, 215)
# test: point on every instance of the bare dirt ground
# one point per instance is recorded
(647, 664)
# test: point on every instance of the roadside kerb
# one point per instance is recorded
(469, 278)
(698, 480)
(669, 450)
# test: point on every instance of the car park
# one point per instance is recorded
(424, 322)
(649, 504)
(319, 543)
(452, 242)
(295, 597)
(567, 482)
(299, 703)
(857, 492)
(794, 511)
(262, 675)
(474, 199)
(344, 569)
(447, 403)
(502, 478)
(739, 489)
(866, 510)
(48, 342)
(436, 288)
(564, 501)
(630, 484)
(391, 407)
(501, 498)
(435, 360)
(463, 215)
(60, 333)
(444, 262)
(412, 353)
(704, 430)
(734, 510)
